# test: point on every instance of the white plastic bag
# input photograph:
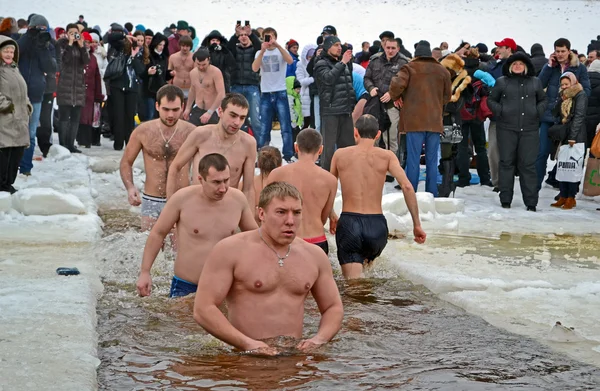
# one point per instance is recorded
(570, 163)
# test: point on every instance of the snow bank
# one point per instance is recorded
(5, 202)
(58, 152)
(46, 202)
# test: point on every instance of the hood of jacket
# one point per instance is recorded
(156, 39)
(518, 56)
(211, 35)
(537, 50)
(305, 50)
(9, 41)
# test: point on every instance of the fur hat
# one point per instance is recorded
(329, 42)
(423, 49)
(453, 62)
(460, 82)
(594, 66)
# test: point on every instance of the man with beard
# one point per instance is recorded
(159, 140)
(225, 138)
(203, 215)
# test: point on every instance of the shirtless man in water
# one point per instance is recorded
(181, 64)
(207, 91)
(265, 276)
(204, 215)
(159, 140)
(225, 138)
(362, 230)
(317, 186)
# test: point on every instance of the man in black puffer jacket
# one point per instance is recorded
(220, 56)
(337, 98)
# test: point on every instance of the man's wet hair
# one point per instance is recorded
(184, 40)
(201, 54)
(235, 99)
(279, 190)
(269, 158)
(216, 160)
(367, 126)
(309, 140)
(171, 92)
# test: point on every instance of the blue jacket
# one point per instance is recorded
(550, 77)
(495, 69)
(35, 61)
(291, 68)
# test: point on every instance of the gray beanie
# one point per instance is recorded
(329, 42)
(39, 20)
(423, 49)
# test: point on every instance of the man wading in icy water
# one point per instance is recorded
(225, 138)
(362, 230)
(159, 140)
(204, 215)
(265, 276)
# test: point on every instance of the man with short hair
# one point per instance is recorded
(206, 92)
(317, 186)
(181, 64)
(225, 138)
(362, 231)
(265, 277)
(592, 56)
(436, 53)
(272, 61)
(423, 88)
(159, 140)
(203, 215)
(561, 61)
(36, 56)
(244, 45)
(82, 21)
(183, 30)
(333, 77)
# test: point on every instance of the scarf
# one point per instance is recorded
(567, 103)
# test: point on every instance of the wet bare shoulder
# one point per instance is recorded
(186, 127)
(200, 134)
(248, 141)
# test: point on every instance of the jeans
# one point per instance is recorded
(271, 103)
(542, 157)
(150, 108)
(317, 105)
(475, 131)
(414, 143)
(27, 161)
(252, 95)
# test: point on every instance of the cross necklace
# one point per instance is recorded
(170, 138)
(281, 259)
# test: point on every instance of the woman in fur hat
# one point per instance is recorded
(572, 110)
(518, 102)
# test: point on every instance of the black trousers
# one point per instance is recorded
(69, 124)
(84, 135)
(197, 112)
(9, 167)
(44, 131)
(518, 151)
(123, 106)
(337, 130)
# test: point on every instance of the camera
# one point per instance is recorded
(159, 70)
(77, 36)
(134, 44)
(267, 38)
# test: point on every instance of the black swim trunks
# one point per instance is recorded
(359, 237)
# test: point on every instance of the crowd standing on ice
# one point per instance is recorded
(431, 107)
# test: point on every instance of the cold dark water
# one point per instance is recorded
(395, 335)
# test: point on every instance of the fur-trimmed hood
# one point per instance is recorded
(211, 35)
(518, 56)
(305, 50)
(460, 78)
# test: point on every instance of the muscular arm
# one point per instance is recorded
(248, 172)
(215, 282)
(132, 150)
(409, 193)
(184, 155)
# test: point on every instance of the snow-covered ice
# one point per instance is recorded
(46, 202)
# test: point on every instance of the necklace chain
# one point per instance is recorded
(281, 259)
(229, 146)
(170, 138)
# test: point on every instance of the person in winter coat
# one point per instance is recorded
(71, 88)
(337, 98)
(220, 56)
(9, 27)
(295, 103)
(292, 47)
(123, 88)
(518, 102)
(44, 130)
(93, 95)
(156, 74)
(305, 80)
(572, 110)
(561, 61)
(592, 118)
(183, 30)
(35, 62)
(15, 110)
(538, 58)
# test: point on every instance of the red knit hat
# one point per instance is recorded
(291, 43)
(86, 36)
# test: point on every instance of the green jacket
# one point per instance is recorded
(295, 102)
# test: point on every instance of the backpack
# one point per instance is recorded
(476, 108)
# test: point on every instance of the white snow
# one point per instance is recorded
(5, 202)
(46, 202)
(58, 152)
